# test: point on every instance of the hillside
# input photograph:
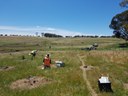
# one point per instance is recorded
(73, 79)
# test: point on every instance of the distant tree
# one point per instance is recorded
(51, 35)
(68, 36)
(5, 35)
(42, 34)
(1, 34)
(36, 33)
(77, 36)
(107, 36)
(96, 36)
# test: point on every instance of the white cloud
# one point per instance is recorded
(32, 30)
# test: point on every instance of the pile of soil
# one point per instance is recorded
(6, 68)
(125, 86)
(85, 67)
(30, 82)
(52, 66)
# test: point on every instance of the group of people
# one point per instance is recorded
(46, 59)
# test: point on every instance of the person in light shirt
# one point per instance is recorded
(33, 54)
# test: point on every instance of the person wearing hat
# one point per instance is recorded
(47, 62)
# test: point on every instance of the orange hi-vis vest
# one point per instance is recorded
(47, 61)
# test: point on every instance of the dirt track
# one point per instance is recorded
(92, 92)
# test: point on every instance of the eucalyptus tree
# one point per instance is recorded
(124, 3)
(119, 23)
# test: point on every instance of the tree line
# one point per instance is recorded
(50, 35)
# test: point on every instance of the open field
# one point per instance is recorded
(70, 80)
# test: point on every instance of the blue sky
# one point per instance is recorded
(63, 17)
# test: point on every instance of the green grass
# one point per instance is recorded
(112, 63)
(67, 81)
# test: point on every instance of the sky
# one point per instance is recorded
(61, 17)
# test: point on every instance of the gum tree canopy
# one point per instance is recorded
(120, 22)
(120, 25)
(124, 3)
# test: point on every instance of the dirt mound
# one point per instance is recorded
(30, 82)
(85, 67)
(52, 66)
(6, 68)
(125, 86)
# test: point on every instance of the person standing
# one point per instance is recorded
(47, 61)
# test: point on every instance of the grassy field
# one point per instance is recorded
(109, 59)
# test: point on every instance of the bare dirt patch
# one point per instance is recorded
(6, 68)
(125, 85)
(30, 82)
(52, 66)
(85, 67)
